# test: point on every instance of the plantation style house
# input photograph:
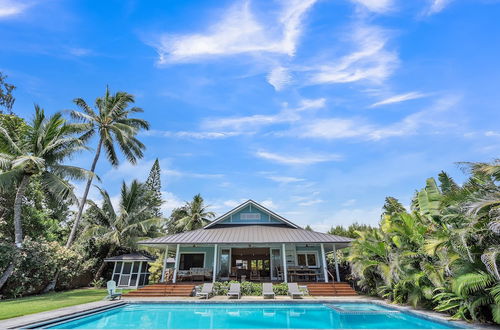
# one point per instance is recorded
(251, 243)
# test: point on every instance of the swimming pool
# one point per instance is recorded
(253, 316)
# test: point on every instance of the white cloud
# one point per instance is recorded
(369, 61)
(437, 6)
(349, 202)
(334, 128)
(285, 179)
(238, 32)
(399, 98)
(279, 77)
(311, 202)
(78, 51)
(298, 159)
(491, 133)
(245, 123)
(269, 204)
(171, 202)
(378, 6)
(10, 8)
(193, 134)
(345, 217)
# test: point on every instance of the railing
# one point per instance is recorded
(331, 275)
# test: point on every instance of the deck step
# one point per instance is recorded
(330, 289)
(163, 290)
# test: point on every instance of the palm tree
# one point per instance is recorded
(193, 215)
(38, 150)
(112, 124)
(121, 228)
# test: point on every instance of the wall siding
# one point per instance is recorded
(265, 218)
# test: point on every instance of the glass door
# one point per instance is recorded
(276, 264)
(125, 276)
(225, 259)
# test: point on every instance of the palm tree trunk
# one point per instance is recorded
(6, 274)
(18, 202)
(101, 268)
(71, 237)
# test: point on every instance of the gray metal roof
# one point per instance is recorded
(247, 234)
(130, 257)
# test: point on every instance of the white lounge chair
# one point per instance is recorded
(113, 292)
(234, 290)
(206, 291)
(267, 290)
(294, 291)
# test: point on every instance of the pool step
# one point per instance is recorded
(163, 290)
(330, 289)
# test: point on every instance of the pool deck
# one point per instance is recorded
(19, 322)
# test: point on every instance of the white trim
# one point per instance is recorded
(250, 203)
(285, 269)
(306, 252)
(174, 280)
(336, 263)
(214, 269)
(325, 270)
(194, 252)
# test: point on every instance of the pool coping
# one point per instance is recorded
(90, 308)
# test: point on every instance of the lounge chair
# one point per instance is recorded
(234, 290)
(267, 290)
(206, 291)
(113, 292)
(294, 291)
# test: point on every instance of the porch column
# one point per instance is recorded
(325, 266)
(214, 271)
(285, 271)
(336, 263)
(176, 263)
(164, 265)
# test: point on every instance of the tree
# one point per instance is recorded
(153, 183)
(193, 215)
(122, 227)
(113, 126)
(6, 98)
(38, 152)
(308, 228)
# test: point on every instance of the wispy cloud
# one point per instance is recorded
(370, 60)
(9, 8)
(279, 77)
(285, 179)
(307, 159)
(378, 6)
(437, 6)
(238, 32)
(192, 134)
(311, 202)
(399, 98)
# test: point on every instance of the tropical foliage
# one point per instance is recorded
(193, 215)
(443, 252)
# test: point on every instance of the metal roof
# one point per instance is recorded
(255, 204)
(247, 234)
(130, 257)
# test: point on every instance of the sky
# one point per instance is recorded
(318, 109)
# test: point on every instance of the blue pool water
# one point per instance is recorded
(253, 316)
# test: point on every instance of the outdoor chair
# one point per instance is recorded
(206, 291)
(113, 292)
(267, 290)
(294, 291)
(234, 290)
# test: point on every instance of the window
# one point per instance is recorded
(192, 260)
(309, 259)
(250, 216)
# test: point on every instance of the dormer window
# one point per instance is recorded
(250, 216)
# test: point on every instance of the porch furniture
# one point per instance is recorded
(267, 290)
(206, 291)
(113, 292)
(294, 291)
(184, 275)
(200, 274)
(234, 290)
(233, 276)
(255, 275)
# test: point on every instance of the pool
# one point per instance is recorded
(253, 316)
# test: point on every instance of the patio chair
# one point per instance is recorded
(267, 290)
(294, 291)
(234, 290)
(206, 291)
(113, 292)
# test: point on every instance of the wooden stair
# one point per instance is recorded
(330, 289)
(163, 290)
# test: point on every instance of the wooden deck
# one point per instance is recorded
(332, 289)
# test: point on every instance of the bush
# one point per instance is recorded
(249, 288)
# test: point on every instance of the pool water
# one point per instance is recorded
(252, 316)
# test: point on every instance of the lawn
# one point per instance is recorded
(49, 301)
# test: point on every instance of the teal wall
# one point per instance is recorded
(265, 218)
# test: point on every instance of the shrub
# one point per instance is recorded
(280, 289)
(249, 288)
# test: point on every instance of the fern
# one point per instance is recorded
(472, 282)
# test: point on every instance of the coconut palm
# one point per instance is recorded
(38, 150)
(111, 122)
(193, 215)
(132, 221)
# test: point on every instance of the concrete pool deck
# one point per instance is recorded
(22, 321)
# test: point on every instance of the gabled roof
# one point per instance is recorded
(247, 234)
(130, 257)
(250, 203)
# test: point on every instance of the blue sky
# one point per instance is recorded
(317, 109)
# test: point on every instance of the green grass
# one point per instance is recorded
(49, 301)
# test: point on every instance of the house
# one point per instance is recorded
(250, 242)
